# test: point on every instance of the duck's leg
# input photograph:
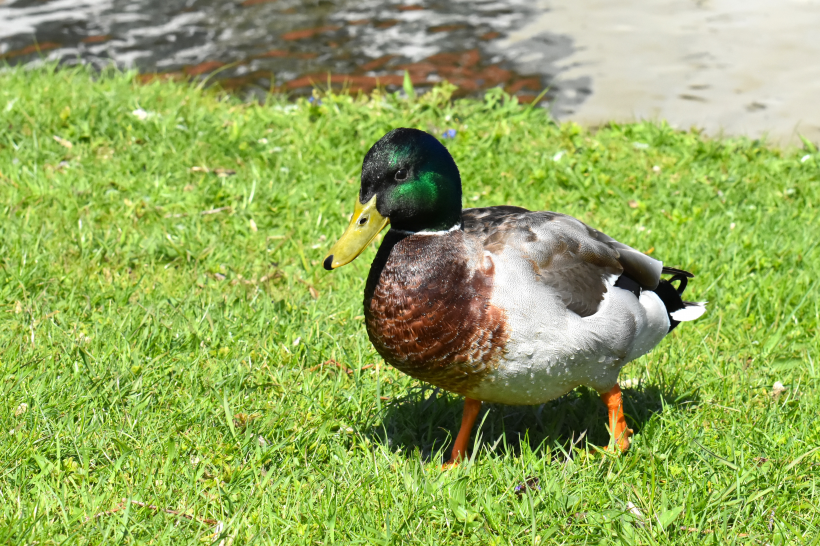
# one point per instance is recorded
(471, 409)
(617, 422)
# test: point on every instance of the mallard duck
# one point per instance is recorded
(499, 304)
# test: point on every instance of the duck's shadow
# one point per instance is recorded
(427, 420)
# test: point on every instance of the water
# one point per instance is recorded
(255, 46)
(735, 67)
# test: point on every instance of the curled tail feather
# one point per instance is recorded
(678, 309)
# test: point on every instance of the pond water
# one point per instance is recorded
(254, 46)
(735, 67)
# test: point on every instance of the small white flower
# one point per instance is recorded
(262, 141)
(805, 158)
(140, 114)
(732, 225)
(296, 341)
(21, 409)
(656, 168)
(558, 156)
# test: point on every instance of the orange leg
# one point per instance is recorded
(617, 422)
(471, 409)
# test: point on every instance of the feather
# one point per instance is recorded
(690, 311)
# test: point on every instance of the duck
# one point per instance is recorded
(499, 304)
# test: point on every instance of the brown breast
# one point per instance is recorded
(428, 313)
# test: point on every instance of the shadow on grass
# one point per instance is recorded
(427, 420)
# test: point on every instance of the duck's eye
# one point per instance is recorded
(362, 220)
(401, 174)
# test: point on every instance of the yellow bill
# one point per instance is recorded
(363, 228)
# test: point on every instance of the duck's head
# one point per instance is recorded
(409, 180)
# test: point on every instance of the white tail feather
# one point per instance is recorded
(692, 311)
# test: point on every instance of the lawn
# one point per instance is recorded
(176, 367)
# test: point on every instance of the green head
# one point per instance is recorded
(409, 180)
(415, 181)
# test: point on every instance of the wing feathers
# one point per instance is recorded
(564, 253)
(576, 261)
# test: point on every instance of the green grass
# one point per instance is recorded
(161, 328)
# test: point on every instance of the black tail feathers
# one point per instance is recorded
(671, 296)
(677, 309)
